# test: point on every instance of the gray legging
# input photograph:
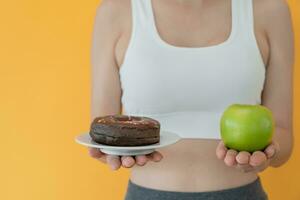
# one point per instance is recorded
(251, 191)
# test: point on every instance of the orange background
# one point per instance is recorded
(45, 102)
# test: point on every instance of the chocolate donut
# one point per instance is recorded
(125, 130)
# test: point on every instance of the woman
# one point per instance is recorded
(183, 62)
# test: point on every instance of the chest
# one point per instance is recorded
(185, 27)
(170, 81)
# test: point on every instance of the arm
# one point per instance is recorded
(106, 87)
(277, 94)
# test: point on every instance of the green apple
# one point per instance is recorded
(246, 127)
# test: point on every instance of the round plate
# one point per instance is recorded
(166, 138)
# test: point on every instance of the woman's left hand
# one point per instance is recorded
(245, 161)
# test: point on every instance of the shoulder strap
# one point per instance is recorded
(141, 13)
(245, 16)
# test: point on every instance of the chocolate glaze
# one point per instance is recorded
(127, 120)
(125, 130)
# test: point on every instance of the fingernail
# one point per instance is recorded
(157, 158)
(113, 167)
(271, 153)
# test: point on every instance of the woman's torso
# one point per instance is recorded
(191, 164)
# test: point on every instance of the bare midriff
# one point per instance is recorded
(190, 165)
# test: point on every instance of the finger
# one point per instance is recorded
(245, 168)
(257, 158)
(141, 160)
(221, 150)
(127, 161)
(155, 156)
(262, 167)
(113, 161)
(95, 153)
(243, 157)
(103, 159)
(272, 149)
(230, 157)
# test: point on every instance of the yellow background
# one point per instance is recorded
(45, 102)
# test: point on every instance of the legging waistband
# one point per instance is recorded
(250, 191)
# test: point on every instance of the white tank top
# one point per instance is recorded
(187, 88)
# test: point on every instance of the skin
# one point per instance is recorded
(274, 35)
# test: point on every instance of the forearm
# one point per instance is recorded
(284, 138)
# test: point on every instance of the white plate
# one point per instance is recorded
(166, 138)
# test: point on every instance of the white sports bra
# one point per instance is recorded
(187, 89)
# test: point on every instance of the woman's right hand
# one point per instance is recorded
(115, 162)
